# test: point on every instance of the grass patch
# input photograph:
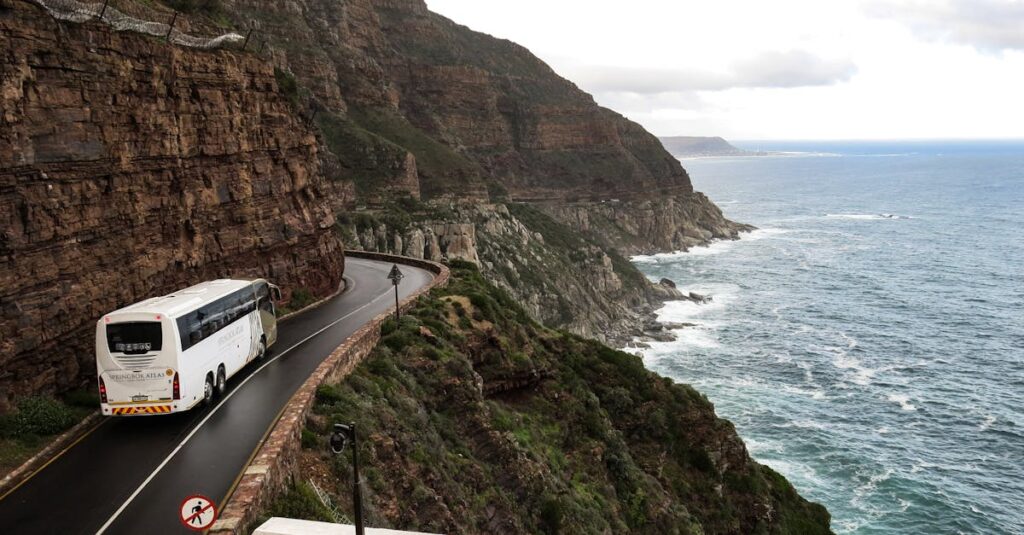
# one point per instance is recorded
(36, 421)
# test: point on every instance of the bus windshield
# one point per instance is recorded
(134, 337)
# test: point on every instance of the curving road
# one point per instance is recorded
(130, 475)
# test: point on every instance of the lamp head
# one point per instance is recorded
(340, 437)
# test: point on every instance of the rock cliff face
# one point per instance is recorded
(482, 116)
(129, 168)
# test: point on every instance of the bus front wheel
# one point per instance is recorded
(208, 390)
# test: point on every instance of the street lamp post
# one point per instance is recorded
(342, 434)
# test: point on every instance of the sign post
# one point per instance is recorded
(395, 276)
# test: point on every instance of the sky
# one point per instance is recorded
(785, 69)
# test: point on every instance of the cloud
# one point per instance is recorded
(988, 25)
(795, 68)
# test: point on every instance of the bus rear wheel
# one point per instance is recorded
(208, 390)
(222, 382)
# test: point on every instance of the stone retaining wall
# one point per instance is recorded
(276, 461)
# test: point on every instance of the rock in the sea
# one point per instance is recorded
(668, 283)
(698, 298)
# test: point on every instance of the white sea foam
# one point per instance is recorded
(715, 247)
(867, 216)
(805, 424)
(989, 420)
(861, 375)
(813, 393)
(903, 401)
(762, 446)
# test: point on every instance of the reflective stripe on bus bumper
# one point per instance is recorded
(154, 409)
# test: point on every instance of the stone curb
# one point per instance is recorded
(275, 462)
(53, 450)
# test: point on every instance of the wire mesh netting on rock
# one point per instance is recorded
(74, 11)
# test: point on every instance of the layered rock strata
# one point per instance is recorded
(130, 168)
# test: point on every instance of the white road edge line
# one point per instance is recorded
(217, 408)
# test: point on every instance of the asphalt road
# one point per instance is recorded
(130, 475)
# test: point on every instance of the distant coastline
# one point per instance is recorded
(704, 147)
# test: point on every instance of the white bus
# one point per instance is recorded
(171, 353)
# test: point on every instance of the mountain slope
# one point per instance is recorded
(478, 420)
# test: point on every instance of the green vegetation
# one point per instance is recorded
(210, 9)
(474, 418)
(301, 298)
(299, 501)
(573, 244)
(288, 86)
(36, 421)
(367, 159)
(441, 168)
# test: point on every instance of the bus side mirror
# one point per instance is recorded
(275, 292)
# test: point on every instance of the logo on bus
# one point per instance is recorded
(226, 338)
(131, 377)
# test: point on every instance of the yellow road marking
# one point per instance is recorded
(241, 473)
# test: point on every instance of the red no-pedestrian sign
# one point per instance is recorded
(198, 512)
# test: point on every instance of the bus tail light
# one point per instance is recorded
(103, 391)
(176, 386)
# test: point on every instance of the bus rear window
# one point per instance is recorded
(134, 337)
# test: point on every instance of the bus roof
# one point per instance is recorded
(178, 303)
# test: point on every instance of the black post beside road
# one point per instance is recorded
(343, 433)
(104, 10)
(357, 496)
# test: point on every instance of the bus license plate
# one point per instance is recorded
(140, 398)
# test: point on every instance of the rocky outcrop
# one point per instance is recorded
(129, 168)
(646, 226)
(560, 277)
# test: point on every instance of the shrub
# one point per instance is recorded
(551, 514)
(38, 416)
(300, 501)
(288, 86)
(301, 298)
(329, 394)
(309, 439)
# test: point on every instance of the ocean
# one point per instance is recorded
(868, 339)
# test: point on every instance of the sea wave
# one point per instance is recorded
(903, 401)
(715, 247)
(868, 216)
